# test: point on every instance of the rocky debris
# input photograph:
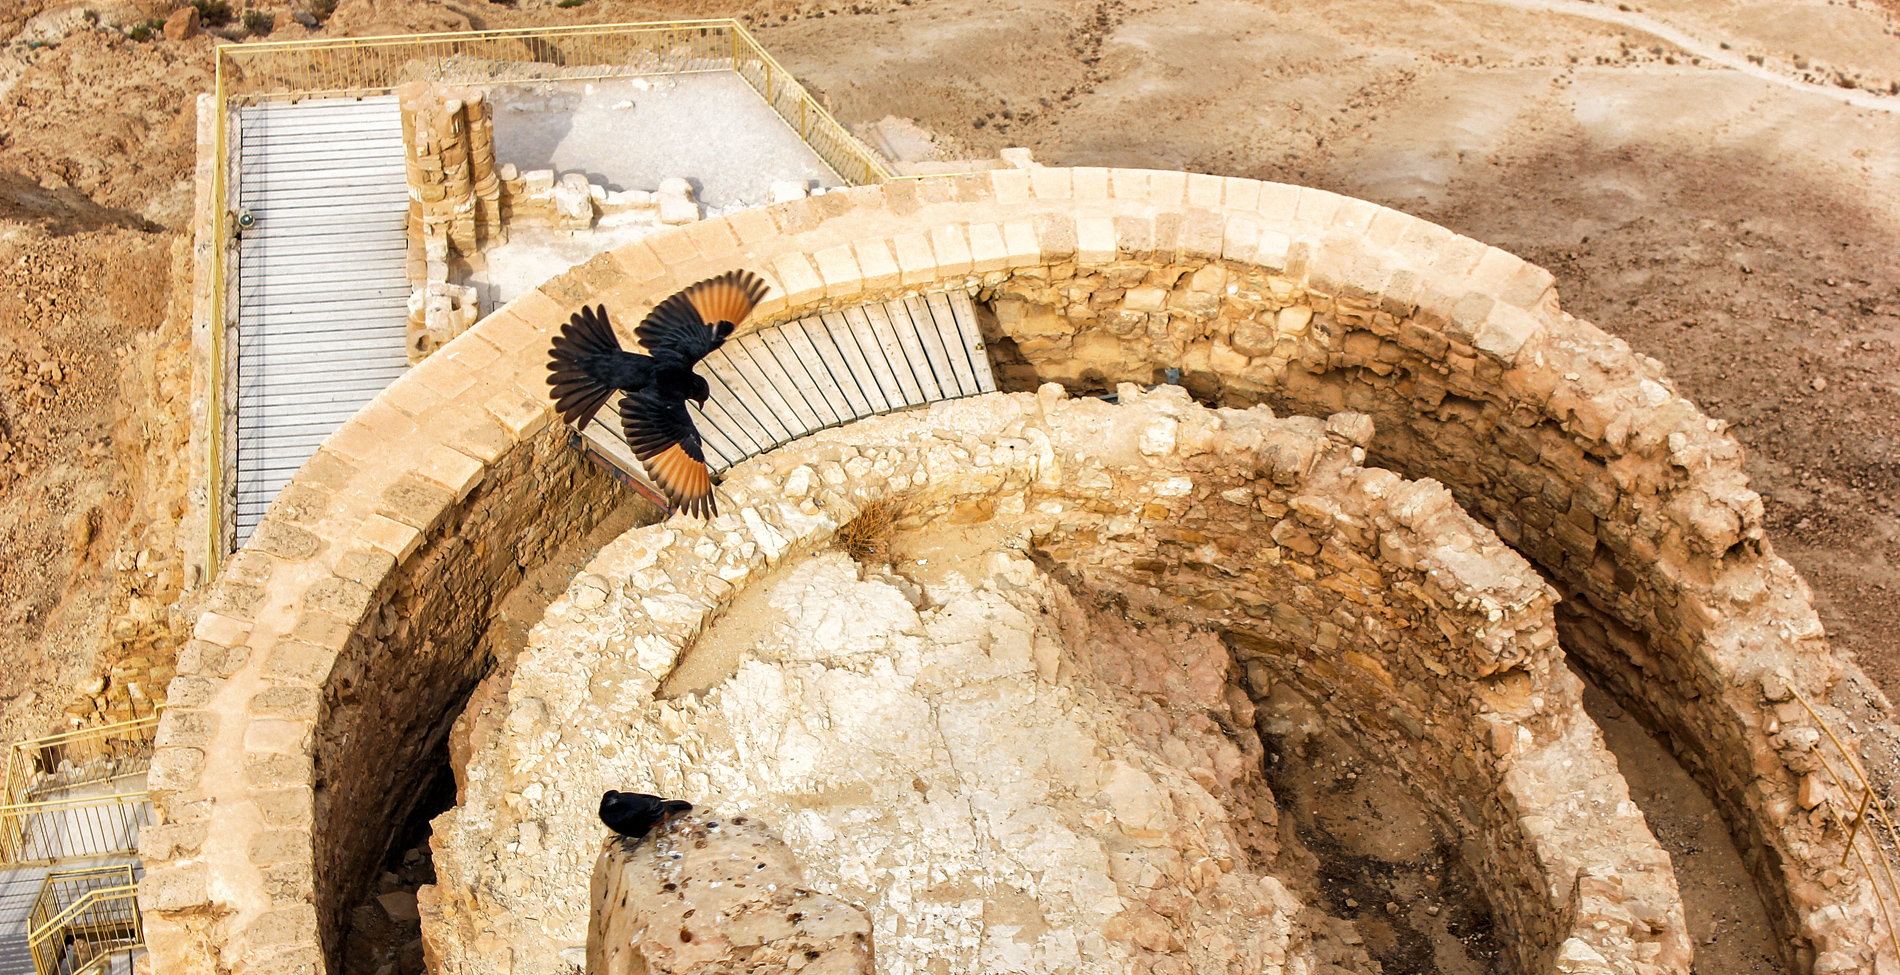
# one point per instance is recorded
(182, 24)
(709, 895)
(677, 205)
(1037, 751)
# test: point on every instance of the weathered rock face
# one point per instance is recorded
(1032, 748)
(711, 895)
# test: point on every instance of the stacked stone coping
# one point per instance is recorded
(1710, 634)
(1411, 627)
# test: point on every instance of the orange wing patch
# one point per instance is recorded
(685, 480)
(726, 298)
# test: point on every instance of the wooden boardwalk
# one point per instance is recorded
(322, 287)
(773, 385)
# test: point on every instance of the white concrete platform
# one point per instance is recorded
(712, 129)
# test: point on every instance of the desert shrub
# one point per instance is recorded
(867, 538)
(259, 22)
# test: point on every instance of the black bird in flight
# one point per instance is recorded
(634, 814)
(586, 365)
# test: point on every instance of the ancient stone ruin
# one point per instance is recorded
(1395, 489)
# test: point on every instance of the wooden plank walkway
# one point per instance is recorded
(322, 286)
(773, 385)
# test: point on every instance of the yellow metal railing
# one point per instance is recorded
(1855, 803)
(60, 829)
(357, 66)
(81, 918)
(40, 766)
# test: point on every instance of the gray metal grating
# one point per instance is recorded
(322, 283)
(773, 385)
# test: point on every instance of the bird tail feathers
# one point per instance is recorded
(578, 395)
(729, 297)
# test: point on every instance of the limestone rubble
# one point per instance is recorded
(968, 752)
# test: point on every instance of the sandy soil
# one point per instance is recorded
(1737, 224)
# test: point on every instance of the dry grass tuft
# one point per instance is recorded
(867, 538)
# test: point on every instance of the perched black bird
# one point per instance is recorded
(586, 365)
(636, 813)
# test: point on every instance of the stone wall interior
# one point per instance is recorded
(1395, 476)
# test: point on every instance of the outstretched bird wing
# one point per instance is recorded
(662, 435)
(586, 365)
(681, 330)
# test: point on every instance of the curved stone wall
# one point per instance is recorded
(309, 666)
(1377, 599)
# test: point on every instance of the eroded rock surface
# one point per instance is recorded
(1009, 768)
(712, 896)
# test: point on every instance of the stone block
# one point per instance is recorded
(285, 701)
(1354, 217)
(1128, 184)
(1505, 330)
(410, 396)
(673, 247)
(1275, 253)
(1203, 235)
(1316, 208)
(209, 658)
(191, 691)
(1167, 187)
(952, 248)
(414, 502)
(483, 440)
(1278, 202)
(171, 841)
(677, 205)
(1090, 184)
(521, 416)
(1527, 286)
(174, 887)
(987, 252)
(451, 469)
(712, 237)
(174, 769)
(1135, 237)
(1455, 260)
(390, 535)
(1010, 186)
(277, 771)
(916, 262)
(1240, 241)
(752, 226)
(285, 808)
(1020, 245)
(1204, 190)
(1238, 193)
(289, 926)
(185, 728)
(510, 332)
(289, 883)
(235, 599)
(1468, 315)
(1056, 236)
(279, 845)
(798, 279)
(297, 960)
(294, 661)
(838, 266)
(878, 266)
(1095, 240)
(299, 503)
(276, 735)
(1051, 183)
